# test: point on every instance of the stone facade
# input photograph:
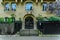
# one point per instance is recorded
(21, 12)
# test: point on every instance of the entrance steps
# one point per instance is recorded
(29, 32)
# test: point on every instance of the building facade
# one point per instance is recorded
(27, 10)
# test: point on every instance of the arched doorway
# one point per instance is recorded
(29, 23)
(29, 20)
(29, 27)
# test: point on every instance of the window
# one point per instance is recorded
(13, 6)
(7, 6)
(28, 7)
(10, 7)
(45, 6)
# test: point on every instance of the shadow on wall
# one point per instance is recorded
(49, 27)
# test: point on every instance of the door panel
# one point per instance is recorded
(29, 23)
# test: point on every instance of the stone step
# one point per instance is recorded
(29, 32)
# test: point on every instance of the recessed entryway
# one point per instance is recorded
(29, 23)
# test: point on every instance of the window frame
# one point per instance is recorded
(26, 4)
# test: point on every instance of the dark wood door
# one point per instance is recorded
(29, 23)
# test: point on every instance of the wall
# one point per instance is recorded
(20, 11)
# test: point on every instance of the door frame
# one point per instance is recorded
(34, 18)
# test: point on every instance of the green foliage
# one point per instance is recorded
(2, 3)
(54, 18)
(40, 18)
(10, 20)
(1, 19)
(13, 15)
